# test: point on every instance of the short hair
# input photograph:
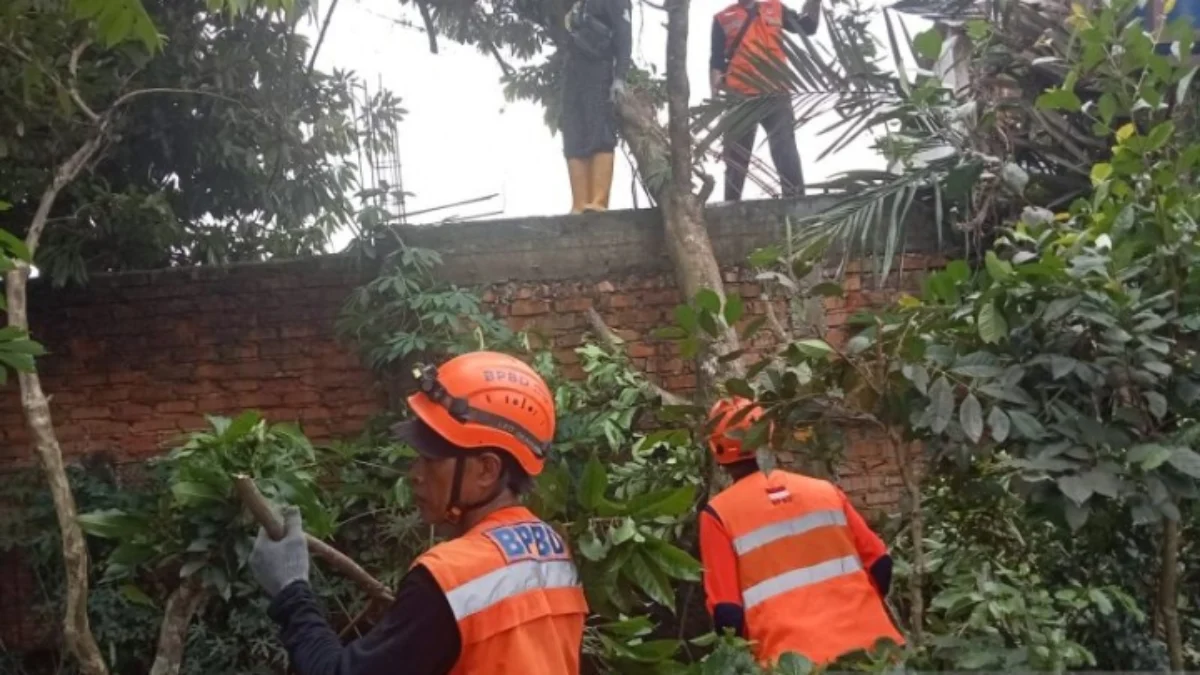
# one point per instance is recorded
(515, 477)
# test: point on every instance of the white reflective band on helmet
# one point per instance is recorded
(478, 594)
(769, 533)
(805, 576)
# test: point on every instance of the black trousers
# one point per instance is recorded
(780, 124)
(588, 122)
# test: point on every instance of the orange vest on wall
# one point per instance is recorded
(762, 39)
(515, 593)
(803, 586)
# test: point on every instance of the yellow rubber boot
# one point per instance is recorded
(580, 171)
(602, 171)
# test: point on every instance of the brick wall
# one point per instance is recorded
(138, 359)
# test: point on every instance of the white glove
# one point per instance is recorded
(278, 563)
(618, 89)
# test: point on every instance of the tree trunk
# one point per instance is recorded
(916, 532)
(1168, 593)
(182, 606)
(669, 155)
(77, 632)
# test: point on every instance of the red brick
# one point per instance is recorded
(159, 423)
(175, 407)
(572, 304)
(131, 412)
(90, 413)
(641, 350)
(301, 397)
(242, 385)
(529, 307)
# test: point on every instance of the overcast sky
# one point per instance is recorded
(461, 139)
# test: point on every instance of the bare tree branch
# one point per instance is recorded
(261, 509)
(182, 606)
(782, 334)
(72, 85)
(430, 30)
(610, 338)
(312, 60)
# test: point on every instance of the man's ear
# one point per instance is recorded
(490, 467)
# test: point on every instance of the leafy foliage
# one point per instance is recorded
(224, 144)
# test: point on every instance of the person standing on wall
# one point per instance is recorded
(503, 595)
(747, 30)
(597, 61)
(789, 564)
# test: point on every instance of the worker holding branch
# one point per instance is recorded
(789, 564)
(502, 595)
(746, 31)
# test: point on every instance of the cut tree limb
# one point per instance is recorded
(182, 606)
(1168, 593)
(260, 508)
(610, 338)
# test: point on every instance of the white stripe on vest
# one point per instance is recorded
(798, 578)
(769, 533)
(527, 575)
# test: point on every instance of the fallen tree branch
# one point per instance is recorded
(610, 338)
(182, 606)
(261, 510)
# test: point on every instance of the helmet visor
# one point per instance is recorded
(422, 438)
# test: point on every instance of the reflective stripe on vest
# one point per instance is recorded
(799, 578)
(508, 581)
(769, 533)
(802, 582)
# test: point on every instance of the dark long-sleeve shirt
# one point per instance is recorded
(793, 22)
(417, 636)
(617, 16)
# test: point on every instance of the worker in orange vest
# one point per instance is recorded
(502, 595)
(788, 562)
(743, 32)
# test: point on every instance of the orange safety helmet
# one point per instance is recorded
(721, 417)
(488, 400)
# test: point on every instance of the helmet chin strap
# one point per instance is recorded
(456, 510)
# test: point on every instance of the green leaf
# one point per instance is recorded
(240, 427)
(1101, 172)
(708, 300)
(592, 547)
(992, 326)
(1061, 365)
(814, 347)
(14, 245)
(998, 269)
(1059, 99)
(686, 318)
(665, 502)
(190, 493)
(1186, 461)
(1149, 455)
(928, 43)
(191, 567)
(624, 532)
(593, 484)
(1157, 403)
(1101, 601)
(916, 374)
(734, 308)
(941, 397)
(1059, 308)
(1076, 488)
(674, 561)
(110, 524)
(1025, 424)
(650, 579)
(1077, 515)
(999, 424)
(136, 596)
(970, 416)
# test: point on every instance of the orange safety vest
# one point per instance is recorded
(762, 40)
(516, 595)
(803, 585)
